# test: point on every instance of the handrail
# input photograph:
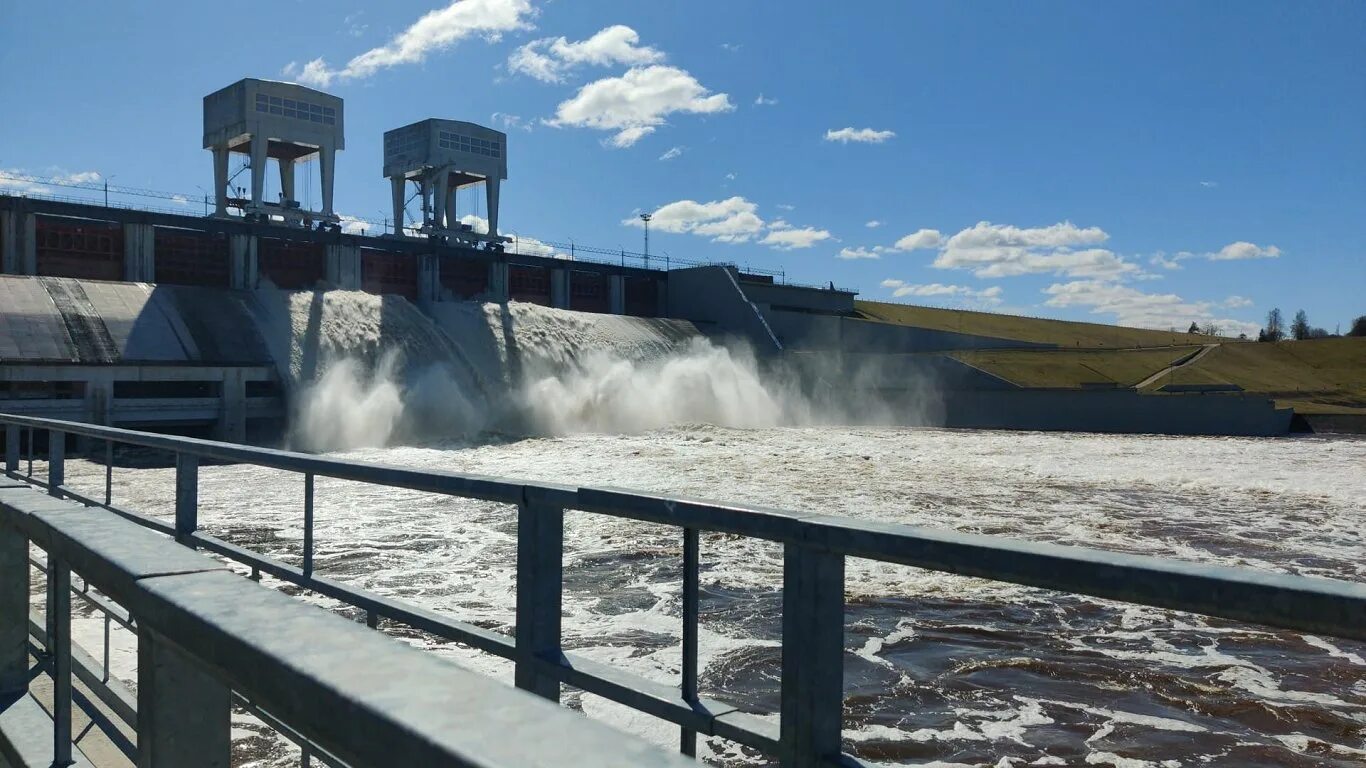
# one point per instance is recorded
(815, 548)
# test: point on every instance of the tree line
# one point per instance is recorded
(1300, 329)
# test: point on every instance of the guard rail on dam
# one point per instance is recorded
(209, 637)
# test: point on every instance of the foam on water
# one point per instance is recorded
(939, 668)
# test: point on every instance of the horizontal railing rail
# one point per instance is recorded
(815, 549)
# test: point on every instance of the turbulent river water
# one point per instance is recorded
(939, 670)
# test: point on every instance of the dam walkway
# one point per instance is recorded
(210, 638)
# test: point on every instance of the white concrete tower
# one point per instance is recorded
(267, 119)
(441, 156)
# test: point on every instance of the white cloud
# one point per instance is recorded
(1130, 306)
(901, 289)
(851, 254)
(861, 135)
(352, 225)
(435, 31)
(788, 238)
(785, 207)
(671, 153)
(1209, 184)
(734, 220)
(508, 122)
(551, 58)
(1161, 260)
(764, 102)
(637, 102)
(732, 47)
(520, 244)
(730, 176)
(1244, 250)
(1237, 302)
(921, 238)
(997, 250)
(23, 186)
(872, 224)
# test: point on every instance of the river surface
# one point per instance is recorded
(939, 669)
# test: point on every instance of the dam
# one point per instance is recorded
(277, 491)
(144, 319)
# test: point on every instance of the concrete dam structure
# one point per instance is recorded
(177, 322)
(219, 323)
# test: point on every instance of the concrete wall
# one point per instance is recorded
(711, 298)
(823, 300)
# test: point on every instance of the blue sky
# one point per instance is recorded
(1151, 163)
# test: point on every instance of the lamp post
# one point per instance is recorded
(645, 217)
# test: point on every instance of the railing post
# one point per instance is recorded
(308, 525)
(186, 496)
(56, 462)
(59, 645)
(14, 597)
(812, 707)
(108, 472)
(183, 711)
(540, 581)
(12, 448)
(688, 741)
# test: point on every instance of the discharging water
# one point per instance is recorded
(939, 669)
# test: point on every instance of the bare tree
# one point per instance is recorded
(1275, 327)
(1211, 328)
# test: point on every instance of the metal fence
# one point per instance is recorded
(815, 548)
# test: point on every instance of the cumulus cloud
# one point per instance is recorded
(860, 135)
(436, 31)
(508, 122)
(787, 238)
(733, 220)
(901, 288)
(15, 181)
(761, 101)
(1237, 302)
(1161, 260)
(671, 153)
(1244, 250)
(352, 225)
(851, 254)
(1130, 306)
(528, 246)
(872, 224)
(1001, 250)
(550, 59)
(921, 238)
(636, 103)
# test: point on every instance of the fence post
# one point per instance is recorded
(186, 497)
(56, 462)
(14, 597)
(12, 448)
(183, 711)
(540, 581)
(812, 705)
(59, 645)
(688, 740)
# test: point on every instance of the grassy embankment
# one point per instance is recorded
(1322, 376)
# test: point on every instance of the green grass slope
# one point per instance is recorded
(1071, 368)
(1063, 333)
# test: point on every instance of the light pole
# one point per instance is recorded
(645, 217)
(106, 189)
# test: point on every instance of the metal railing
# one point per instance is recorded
(815, 548)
